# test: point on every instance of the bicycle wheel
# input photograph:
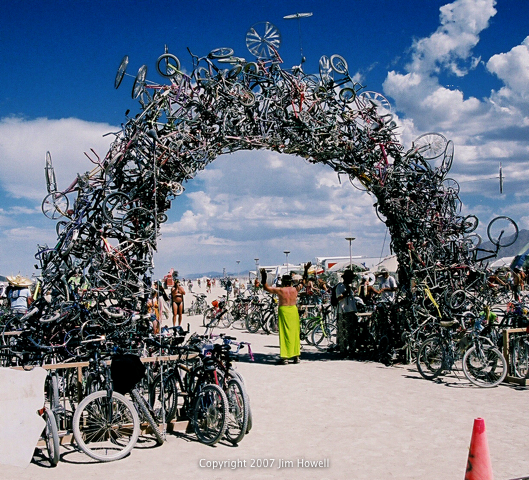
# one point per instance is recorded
(210, 318)
(271, 322)
(168, 65)
(253, 322)
(347, 95)
(210, 414)
(469, 223)
(238, 411)
(448, 158)
(519, 357)
(324, 337)
(430, 145)
(121, 71)
(55, 205)
(430, 358)
(169, 400)
(377, 99)
(51, 181)
(263, 39)
(227, 319)
(139, 82)
(143, 406)
(484, 366)
(51, 437)
(339, 64)
(502, 231)
(106, 429)
(139, 224)
(116, 206)
(222, 52)
(325, 67)
(458, 299)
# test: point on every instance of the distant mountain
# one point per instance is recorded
(511, 250)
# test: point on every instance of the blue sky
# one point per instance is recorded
(458, 68)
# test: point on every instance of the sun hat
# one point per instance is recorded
(19, 281)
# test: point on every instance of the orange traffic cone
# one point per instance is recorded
(478, 465)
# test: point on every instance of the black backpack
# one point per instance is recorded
(334, 300)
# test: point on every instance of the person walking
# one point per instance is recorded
(288, 318)
(347, 323)
(177, 296)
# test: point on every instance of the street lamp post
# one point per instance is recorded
(256, 267)
(286, 252)
(237, 261)
(350, 240)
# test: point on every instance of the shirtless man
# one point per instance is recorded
(288, 317)
(177, 295)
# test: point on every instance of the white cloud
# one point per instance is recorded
(23, 146)
(450, 46)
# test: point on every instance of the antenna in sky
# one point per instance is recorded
(501, 179)
(298, 16)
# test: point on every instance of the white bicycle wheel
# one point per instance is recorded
(106, 429)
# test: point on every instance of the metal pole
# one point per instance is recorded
(286, 252)
(350, 239)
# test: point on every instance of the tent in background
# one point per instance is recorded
(502, 262)
(390, 263)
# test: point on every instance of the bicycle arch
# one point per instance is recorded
(227, 104)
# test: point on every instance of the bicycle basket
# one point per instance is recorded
(126, 371)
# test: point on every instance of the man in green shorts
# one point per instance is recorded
(289, 343)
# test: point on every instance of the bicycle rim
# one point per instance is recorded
(210, 413)
(484, 366)
(106, 429)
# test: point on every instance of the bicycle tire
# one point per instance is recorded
(375, 98)
(446, 165)
(238, 411)
(121, 71)
(170, 397)
(484, 369)
(116, 206)
(51, 181)
(226, 319)
(347, 95)
(271, 322)
(502, 231)
(139, 224)
(325, 67)
(100, 438)
(458, 299)
(323, 338)
(171, 69)
(210, 412)
(263, 39)
(139, 82)
(430, 145)
(339, 64)
(430, 358)
(519, 357)
(209, 318)
(51, 437)
(55, 205)
(469, 223)
(253, 322)
(141, 403)
(222, 52)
